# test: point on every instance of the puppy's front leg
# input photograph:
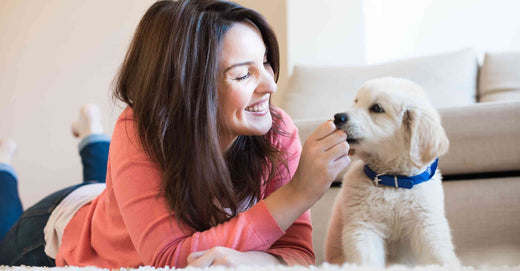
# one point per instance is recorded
(431, 242)
(363, 246)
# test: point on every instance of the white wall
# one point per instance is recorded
(351, 32)
(325, 32)
(402, 28)
(56, 55)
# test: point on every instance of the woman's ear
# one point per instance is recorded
(426, 136)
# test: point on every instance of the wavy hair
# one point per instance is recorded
(169, 79)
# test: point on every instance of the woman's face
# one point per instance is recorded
(245, 84)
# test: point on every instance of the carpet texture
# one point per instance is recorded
(324, 267)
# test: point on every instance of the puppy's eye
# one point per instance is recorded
(376, 108)
(355, 101)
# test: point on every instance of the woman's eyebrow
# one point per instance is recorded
(243, 63)
(239, 64)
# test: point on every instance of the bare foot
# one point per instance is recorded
(89, 122)
(7, 149)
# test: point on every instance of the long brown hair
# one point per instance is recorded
(169, 79)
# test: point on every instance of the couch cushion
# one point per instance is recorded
(500, 77)
(319, 92)
(483, 138)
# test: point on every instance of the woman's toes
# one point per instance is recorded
(89, 121)
(74, 129)
(7, 150)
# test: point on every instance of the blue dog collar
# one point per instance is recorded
(402, 181)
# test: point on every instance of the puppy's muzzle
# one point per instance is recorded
(340, 119)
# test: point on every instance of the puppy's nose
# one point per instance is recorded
(340, 118)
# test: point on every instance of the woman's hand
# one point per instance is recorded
(230, 258)
(324, 155)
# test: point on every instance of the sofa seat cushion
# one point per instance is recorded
(319, 92)
(500, 77)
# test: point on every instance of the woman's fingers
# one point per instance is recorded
(200, 259)
(341, 163)
(322, 149)
(323, 130)
(203, 261)
(327, 136)
(337, 151)
(338, 157)
(332, 140)
(195, 255)
(223, 256)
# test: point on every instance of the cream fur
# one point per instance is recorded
(378, 225)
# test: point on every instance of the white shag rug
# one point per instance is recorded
(323, 267)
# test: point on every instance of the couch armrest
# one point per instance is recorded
(484, 137)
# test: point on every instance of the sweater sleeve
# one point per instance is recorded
(295, 246)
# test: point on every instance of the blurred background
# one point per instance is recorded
(56, 55)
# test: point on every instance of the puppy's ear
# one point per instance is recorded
(425, 135)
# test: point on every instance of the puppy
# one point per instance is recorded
(391, 205)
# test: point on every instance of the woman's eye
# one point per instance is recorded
(376, 108)
(243, 77)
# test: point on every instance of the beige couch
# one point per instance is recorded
(480, 109)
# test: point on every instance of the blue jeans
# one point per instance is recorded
(22, 239)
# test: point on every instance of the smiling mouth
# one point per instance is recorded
(259, 107)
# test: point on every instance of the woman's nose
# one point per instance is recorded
(267, 81)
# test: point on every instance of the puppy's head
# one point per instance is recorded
(392, 121)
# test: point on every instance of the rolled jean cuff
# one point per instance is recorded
(95, 138)
(8, 169)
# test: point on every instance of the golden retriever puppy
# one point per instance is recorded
(391, 205)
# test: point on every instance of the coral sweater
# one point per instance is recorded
(128, 225)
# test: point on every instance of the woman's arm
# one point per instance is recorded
(310, 175)
(324, 155)
(295, 246)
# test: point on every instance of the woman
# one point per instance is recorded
(202, 170)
